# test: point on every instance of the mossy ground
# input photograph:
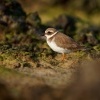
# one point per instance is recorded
(31, 66)
(22, 67)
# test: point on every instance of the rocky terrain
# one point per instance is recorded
(30, 70)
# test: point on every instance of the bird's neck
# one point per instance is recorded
(52, 36)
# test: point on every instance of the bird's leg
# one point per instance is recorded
(63, 56)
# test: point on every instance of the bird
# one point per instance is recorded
(61, 43)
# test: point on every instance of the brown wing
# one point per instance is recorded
(65, 41)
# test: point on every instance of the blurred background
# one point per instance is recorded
(48, 9)
(29, 69)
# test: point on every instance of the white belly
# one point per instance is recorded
(55, 48)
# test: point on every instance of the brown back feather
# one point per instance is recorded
(66, 42)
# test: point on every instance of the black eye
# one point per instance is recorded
(49, 33)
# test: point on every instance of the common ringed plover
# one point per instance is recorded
(60, 42)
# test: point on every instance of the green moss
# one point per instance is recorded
(1, 58)
(79, 54)
(7, 72)
(97, 48)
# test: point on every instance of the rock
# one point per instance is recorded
(64, 22)
(35, 25)
(12, 7)
(91, 38)
(12, 16)
(33, 19)
(88, 35)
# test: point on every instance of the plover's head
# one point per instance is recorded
(49, 32)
